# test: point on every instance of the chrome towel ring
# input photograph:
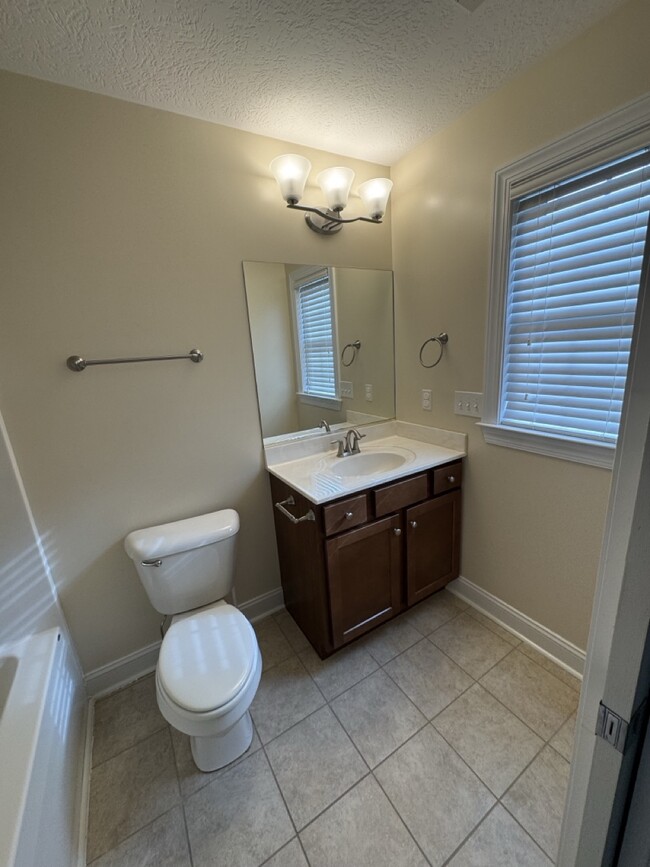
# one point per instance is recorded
(355, 347)
(442, 340)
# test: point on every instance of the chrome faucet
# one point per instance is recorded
(349, 445)
(352, 438)
(322, 423)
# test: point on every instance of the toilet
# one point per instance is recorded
(209, 665)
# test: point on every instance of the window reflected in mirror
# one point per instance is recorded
(323, 346)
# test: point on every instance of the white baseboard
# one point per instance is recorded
(122, 671)
(262, 606)
(114, 675)
(561, 651)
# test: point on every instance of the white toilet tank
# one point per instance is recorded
(186, 564)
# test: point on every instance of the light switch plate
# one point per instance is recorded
(468, 403)
(347, 389)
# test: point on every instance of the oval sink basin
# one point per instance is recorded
(369, 463)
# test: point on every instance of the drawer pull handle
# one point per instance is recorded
(413, 524)
(451, 479)
(397, 531)
(349, 515)
(291, 502)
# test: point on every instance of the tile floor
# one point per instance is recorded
(439, 739)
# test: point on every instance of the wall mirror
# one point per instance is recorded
(323, 346)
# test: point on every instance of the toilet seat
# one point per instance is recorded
(207, 659)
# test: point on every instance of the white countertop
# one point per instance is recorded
(316, 475)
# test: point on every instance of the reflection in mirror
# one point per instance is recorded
(323, 342)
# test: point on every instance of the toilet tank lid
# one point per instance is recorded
(177, 536)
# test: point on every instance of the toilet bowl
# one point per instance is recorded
(209, 665)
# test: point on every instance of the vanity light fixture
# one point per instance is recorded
(291, 172)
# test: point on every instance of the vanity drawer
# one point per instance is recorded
(400, 494)
(345, 515)
(446, 478)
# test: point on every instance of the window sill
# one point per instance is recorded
(579, 451)
(334, 403)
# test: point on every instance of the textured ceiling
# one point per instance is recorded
(365, 78)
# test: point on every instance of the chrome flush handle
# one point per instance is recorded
(156, 562)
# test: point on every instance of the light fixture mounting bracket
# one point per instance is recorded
(327, 222)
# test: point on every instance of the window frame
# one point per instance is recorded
(610, 137)
(298, 277)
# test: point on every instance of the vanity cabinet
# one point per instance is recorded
(354, 563)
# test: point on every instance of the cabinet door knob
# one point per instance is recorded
(348, 515)
(451, 479)
(413, 524)
(397, 531)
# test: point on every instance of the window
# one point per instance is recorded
(570, 268)
(315, 337)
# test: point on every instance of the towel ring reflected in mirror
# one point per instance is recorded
(355, 347)
(442, 340)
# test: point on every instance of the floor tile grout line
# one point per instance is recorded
(354, 746)
(475, 611)
(430, 719)
(464, 761)
(401, 818)
(526, 831)
(471, 833)
(187, 835)
(133, 833)
(516, 715)
(164, 725)
(523, 827)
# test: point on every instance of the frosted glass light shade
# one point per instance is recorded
(291, 172)
(374, 194)
(335, 184)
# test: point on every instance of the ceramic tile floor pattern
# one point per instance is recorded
(439, 739)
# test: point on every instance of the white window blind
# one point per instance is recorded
(314, 319)
(575, 264)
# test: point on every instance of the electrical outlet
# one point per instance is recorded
(347, 389)
(426, 399)
(368, 391)
(468, 403)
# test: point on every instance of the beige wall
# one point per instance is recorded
(364, 312)
(532, 525)
(123, 232)
(272, 339)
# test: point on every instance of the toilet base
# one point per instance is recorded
(212, 753)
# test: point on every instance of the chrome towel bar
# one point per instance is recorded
(290, 501)
(77, 363)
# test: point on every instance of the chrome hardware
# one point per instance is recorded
(413, 524)
(322, 423)
(156, 562)
(352, 438)
(290, 501)
(397, 531)
(442, 339)
(349, 515)
(611, 727)
(340, 452)
(355, 347)
(451, 479)
(77, 363)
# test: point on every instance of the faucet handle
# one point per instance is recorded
(341, 447)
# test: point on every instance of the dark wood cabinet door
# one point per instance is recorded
(364, 572)
(432, 545)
